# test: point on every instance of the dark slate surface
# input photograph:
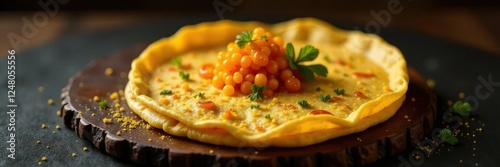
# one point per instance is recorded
(454, 67)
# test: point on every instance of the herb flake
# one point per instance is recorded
(462, 108)
(254, 106)
(183, 75)
(324, 97)
(447, 136)
(200, 95)
(257, 92)
(306, 53)
(267, 116)
(166, 92)
(303, 103)
(339, 91)
(103, 104)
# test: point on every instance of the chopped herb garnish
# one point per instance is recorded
(303, 103)
(318, 89)
(462, 108)
(184, 76)
(257, 92)
(327, 59)
(306, 53)
(166, 92)
(200, 95)
(263, 37)
(244, 38)
(267, 116)
(254, 106)
(103, 104)
(339, 91)
(176, 61)
(446, 135)
(324, 97)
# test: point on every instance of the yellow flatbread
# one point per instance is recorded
(279, 120)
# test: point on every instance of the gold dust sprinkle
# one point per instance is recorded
(44, 158)
(39, 163)
(85, 149)
(38, 142)
(40, 89)
(149, 140)
(107, 120)
(211, 151)
(431, 83)
(108, 71)
(73, 154)
(96, 98)
(47, 147)
(461, 95)
(58, 113)
(43, 126)
(50, 101)
(58, 127)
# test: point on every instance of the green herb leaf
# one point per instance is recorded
(291, 56)
(253, 106)
(462, 108)
(103, 104)
(339, 91)
(307, 53)
(166, 92)
(244, 38)
(303, 103)
(257, 92)
(200, 95)
(324, 97)
(263, 37)
(176, 61)
(184, 76)
(267, 116)
(447, 136)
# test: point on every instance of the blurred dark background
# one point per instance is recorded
(475, 23)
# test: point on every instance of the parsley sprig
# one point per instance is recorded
(176, 61)
(306, 53)
(257, 92)
(447, 136)
(103, 104)
(462, 108)
(339, 91)
(253, 106)
(303, 103)
(200, 95)
(246, 37)
(324, 97)
(166, 92)
(183, 75)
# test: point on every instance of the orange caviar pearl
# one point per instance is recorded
(255, 67)
(232, 47)
(217, 82)
(221, 56)
(260, 59)
(228, 65)
(278, 40)
(273, 84)
(229, 81)
(282, 62)
(260, 79)
(236, 58)
(244, 71)
(272, 67)
(292, 84)
(275, 49)
(228, 90)
(246, 61)
(257, 32)
(237, 77)
(266, 50)
(249, 77)
(246, 87)
(286, 74)
(268, 92)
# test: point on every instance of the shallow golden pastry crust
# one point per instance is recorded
(141, 92)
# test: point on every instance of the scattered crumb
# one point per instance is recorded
(96, 98)
(211, 151)
(73, 154)
(43, 126)
(413, 99)
(359, 139)
(50, 102)
(93, 114)
(44, 158)
(58, 113)
(431, 83)
(256, 152)
(38, 142)
(461, 95)
(107, 120)
(47, 147)
(119, 133)
(108, 71)
(39, 163)
(58, 127)
(114, 96)
(148, 127)
(85, 149)
(40, 89)
(406, 117)
(53, 132)
(149, 140)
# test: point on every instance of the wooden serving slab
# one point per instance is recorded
(149, 146)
